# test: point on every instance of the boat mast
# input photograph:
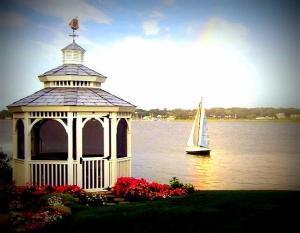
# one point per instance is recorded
(200, 127)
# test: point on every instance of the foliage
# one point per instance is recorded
(34, 220)
(33, 207)
(139, 189)
(91, 199)
(61, 198)
(5, 114)
(175, 183)
(5, 169)
(189, 188)
(7, 195)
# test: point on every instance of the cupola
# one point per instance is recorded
(73, 54)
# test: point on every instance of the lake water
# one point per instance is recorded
(245, 154)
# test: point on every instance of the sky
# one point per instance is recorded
(160, 53)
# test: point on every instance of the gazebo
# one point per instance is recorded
(71, 131)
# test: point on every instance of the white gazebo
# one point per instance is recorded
(71, 131)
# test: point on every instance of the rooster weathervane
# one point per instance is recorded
(74, 25)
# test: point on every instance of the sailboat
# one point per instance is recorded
(198, 141)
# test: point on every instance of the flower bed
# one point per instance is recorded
(32, 208)
(135, 189)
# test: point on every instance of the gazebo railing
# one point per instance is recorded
(123, 167)
(48, 172)
(94, 173)
(97, 172)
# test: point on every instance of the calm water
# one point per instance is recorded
(245, 154)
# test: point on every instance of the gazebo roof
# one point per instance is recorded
(71, 69)
(72, 97)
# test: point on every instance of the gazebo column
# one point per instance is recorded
(106, 151)
(14, 138)
(15, 147)
(70, 147)
(79, 149)
(129, 152)
(113, 139)
(27, 147)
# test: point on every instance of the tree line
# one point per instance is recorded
(238, 113)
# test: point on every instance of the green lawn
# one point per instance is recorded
(204, 211)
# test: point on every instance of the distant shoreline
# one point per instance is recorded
(226, 120)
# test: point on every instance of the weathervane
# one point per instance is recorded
(74, 25)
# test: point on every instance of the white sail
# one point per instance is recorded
(198, 135)
(194, 135)
(204, 138)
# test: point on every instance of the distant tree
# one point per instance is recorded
(5, 113)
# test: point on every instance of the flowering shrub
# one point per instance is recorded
(92, 199)
(33, 220)
(33, 207)
(140, 189)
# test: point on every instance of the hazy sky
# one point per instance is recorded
(162, 53)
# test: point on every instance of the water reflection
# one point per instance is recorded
(245, 155)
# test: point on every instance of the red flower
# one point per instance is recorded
(137, 189)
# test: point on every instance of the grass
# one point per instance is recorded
(204, 211)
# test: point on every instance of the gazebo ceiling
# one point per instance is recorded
(72, 97)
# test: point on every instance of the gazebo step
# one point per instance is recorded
(119, 199)
(110, 204)
(124, 202)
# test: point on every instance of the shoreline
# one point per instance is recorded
(225, 120)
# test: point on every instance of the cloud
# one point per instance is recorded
(157, 14)
(68, 9)
(12, 19)
(179, 73)
(168, 2)
(151, 27)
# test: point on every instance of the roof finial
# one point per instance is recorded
(74, 25)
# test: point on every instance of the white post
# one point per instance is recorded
(15, 146)
(79, 149)
(14, 138)
(129, 151)
(27, 147)
(106, 151)
(113, 140)
(106, 137)
(70, 147)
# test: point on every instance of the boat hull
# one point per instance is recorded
(197, 150)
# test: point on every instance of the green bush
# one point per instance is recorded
(175, 183)
(61, 199)
(189, 188)
(5, 169)
(91, 199)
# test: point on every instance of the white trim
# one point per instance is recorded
(56, 119)
(90, 118)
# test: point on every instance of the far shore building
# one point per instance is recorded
(72, 131)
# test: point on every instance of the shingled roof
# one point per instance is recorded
(71, 69)
(72, 97)
(73, 46)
